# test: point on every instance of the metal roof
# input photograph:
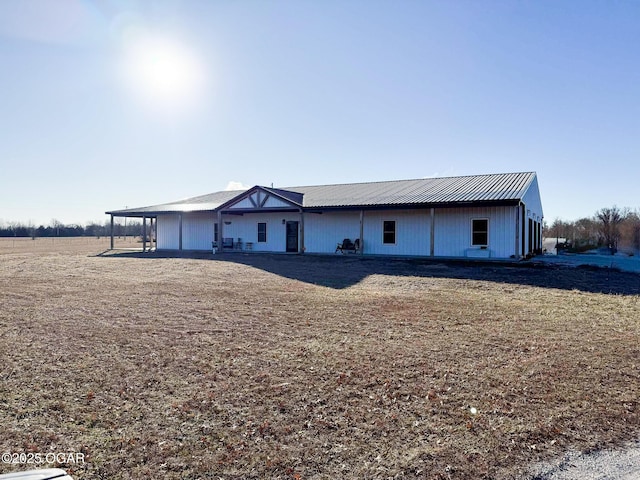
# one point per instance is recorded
(505, 188)
(201, 203)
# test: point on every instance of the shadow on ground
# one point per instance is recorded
(342, 271)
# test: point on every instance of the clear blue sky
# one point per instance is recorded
(312, 92)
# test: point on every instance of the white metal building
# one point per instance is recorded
(480, 216)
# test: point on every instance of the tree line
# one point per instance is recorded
(613, 228)
(58, 229)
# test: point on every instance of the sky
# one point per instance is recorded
(107, 104)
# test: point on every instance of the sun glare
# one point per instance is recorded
(163, 73)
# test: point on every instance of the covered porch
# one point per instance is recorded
(147, 233)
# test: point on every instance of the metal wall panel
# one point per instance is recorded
(453, 231)
(167, 231)
(412, 232)
(322, 232)
(197, 230)
(533, 212)
(532, 200)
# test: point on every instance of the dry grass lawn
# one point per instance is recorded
(255, 366)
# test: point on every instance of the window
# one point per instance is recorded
(262, 232)
(480, 231)
(215, 232)
(389, 232)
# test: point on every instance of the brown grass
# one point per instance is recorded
(310, 367)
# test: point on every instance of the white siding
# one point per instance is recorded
(246, 227)
(322, 232)
(167, 231)
(276, 202)
(197, 230)
(532, 216)
(453, 231)
(246, 203)
(532, 201)
(412, 232)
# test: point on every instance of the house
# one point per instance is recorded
(491, 216)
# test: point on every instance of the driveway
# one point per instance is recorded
(621, 262)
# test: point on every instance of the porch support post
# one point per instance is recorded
(302, 248)
(523, 223)
(361, 232)
(112, 231)
(432, 233)
(180, 231)
(144, 234)
(517, 252)
(220, 231)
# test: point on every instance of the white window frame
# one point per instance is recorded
(258, 232)
(395, 232)
(472, 231)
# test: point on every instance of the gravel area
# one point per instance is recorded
(618, 464)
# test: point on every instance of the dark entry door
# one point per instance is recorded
(292, 237)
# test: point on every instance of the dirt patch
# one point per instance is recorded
(319, 367)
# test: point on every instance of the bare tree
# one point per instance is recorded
(630, 232)
(586, 232)
(610, 220)
(55, 225)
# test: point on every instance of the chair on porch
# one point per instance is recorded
(341, 247)
(348, 246)
(227, 243)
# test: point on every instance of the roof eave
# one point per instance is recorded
(416, 206)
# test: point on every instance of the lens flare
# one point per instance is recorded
(163, 73)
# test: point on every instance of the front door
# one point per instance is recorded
(292, 237)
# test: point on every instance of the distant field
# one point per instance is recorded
(257, 366)
(65, 244)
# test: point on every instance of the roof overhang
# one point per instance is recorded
(413, 206)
